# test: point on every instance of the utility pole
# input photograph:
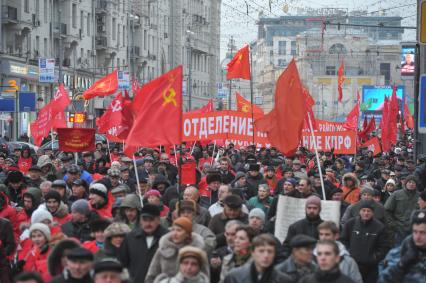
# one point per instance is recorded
(231, 47)
(60, 78)
(189, 85)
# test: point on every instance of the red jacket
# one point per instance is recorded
(25, 164)
(9, 212)
(37, 262)
(63, 219)
(106, 210)
(21, 218)
(91, 246)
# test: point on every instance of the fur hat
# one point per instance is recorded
(43, 228)
(213, 177)
(99, 225)
(186, 204)
(116, 229)
(184, 223)
(190, 251)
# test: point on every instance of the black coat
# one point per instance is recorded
(80, 231)
(65, 278)
(304, 226)
(331, 276)
(243, 274)
(136, 256)
(217, 226)
(367, 242)
(7, 241)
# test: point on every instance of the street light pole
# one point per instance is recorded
(189, 84)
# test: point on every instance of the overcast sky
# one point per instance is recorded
(235, 21)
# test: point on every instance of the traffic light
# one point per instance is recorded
(422, 22)
(77, 117)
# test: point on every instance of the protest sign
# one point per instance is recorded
(76, 139)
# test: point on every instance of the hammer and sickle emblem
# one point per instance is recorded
(291, 81)
(240, 57)
(169, 97)
(116, 106)
(246, 108)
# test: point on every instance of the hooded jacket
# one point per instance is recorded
(24, 216)
(165, 258)
(8, 212)
(54, 260)
(351, 195)
(62, 215)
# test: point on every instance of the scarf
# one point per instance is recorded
(241, 258)
(265, 276)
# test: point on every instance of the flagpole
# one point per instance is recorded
(176, 162)
(52, 138)
(138, 192)
(214, 148)
(193, 147)
(251, 94)
(317, 156)
(109, 151)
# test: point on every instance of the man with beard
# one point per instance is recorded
(15, 183)
(306, 226)
(32, 199)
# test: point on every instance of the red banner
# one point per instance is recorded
(373, 145)
(234, 126)
(76, 139)
(343, 142)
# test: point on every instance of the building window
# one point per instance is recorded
(114, 28)
(144, 40)
(88, 23)
(37, 9)
(74, 15)
(330, 70)
(45, 11)
(81, 21)
(45, 47)
(27, 6)
(385, 71)
(282, 46)
(118, 35)
(293, 48)
(37, 47)
(337, 48)
(282, 63)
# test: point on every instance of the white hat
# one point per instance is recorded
(43, 228)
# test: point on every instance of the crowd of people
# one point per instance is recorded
(94, 217)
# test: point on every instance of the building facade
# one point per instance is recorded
(89, 39)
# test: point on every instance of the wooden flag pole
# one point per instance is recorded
(317, 156)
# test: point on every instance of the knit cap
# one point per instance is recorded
(99, 189)
(184, 223)
(39, 215)
(258, 213)
(43, 228)
(80, 206)
(313, 200)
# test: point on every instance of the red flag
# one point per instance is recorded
(368, 129)
(408, 117)
(239, 67)
(340, 79)
(393, 117)
(244, 105)
(37, 136)
(384, 126)
(112, 122)
(59, 121)
(352, 118)
(159, 119)
(310, 102)
(103, 87)
(136, 88)
(61, 99)
(373, 145)
(206, 108)
(284, 123)
(365, 123)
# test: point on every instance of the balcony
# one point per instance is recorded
(60, 30)
(10, 15)
(101, 42)
(101, 6)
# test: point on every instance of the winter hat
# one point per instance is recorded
(258, 213)
(99, 189)
(184, 223)
(150, 210)
(39, 215)
(116, 229)
(80, 206)
(53, 195)
(43, 228)
(131, 201)
(152, 193)
(99, 225)
(115, 164)
(43, 161)
(254, 167)
(186, 204)
(366, 204)
(239, 175)
(59, 183)
(291, 181)
(14, 177)
(367, 190)
(122, 188)
(80, 254)
(213, 177)
(391, 181)
(107, 264)
(313, 200)
(114, 171)
(194, 252)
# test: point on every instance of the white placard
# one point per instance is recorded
(290, 210)
(46, 70)
(123, 80)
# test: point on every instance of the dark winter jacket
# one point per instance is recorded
(295, 272)
(135, 254)
(65, 277)
(217, 226)
(7, 241)
(366, 241)
(245, 273)
(304, 226)
(253, 184)
(79, 230)
(331, 276)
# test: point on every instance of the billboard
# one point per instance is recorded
(373, 97)
(408, 60)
